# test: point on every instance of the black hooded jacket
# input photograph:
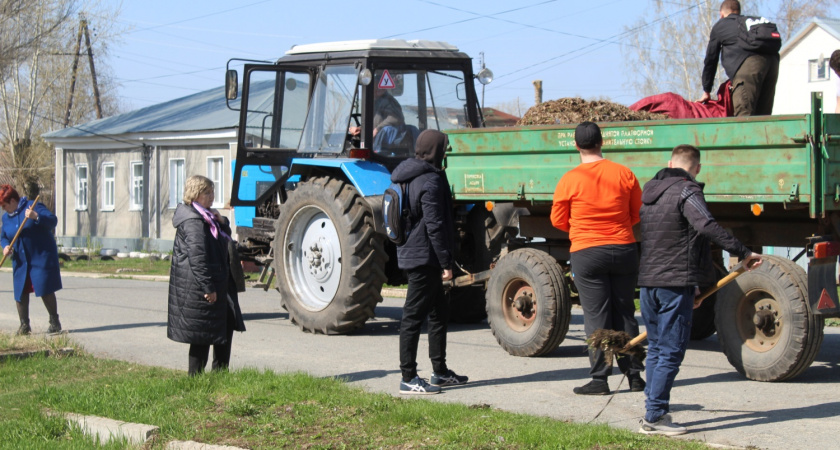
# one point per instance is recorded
(200, 266)
(723, 39)
(431, 240)
(677, 229)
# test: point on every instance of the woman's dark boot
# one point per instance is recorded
(55, 325)
(23, 314)
(51, 304)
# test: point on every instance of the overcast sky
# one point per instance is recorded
(174, 48)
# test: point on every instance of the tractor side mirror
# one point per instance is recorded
(231, 84)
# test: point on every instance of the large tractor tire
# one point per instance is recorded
(328, 258)
(764, 324)
(528, 303)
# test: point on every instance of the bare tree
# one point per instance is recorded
(790, 15)
(17, 40)
(667, 45)
(35, 84)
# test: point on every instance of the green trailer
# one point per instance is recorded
(307, 194)
(772, 181)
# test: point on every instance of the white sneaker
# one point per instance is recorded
(664, 426)
(418, 386)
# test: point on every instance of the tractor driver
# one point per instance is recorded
(389, 128)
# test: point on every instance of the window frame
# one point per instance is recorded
(109, 186)
(133, 205)
(82, 189)
(218, 185)
(814, 68)
(176, 194)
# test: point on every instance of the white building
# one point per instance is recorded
(803, 68)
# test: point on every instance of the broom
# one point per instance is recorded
(19, 230)
(612, 342)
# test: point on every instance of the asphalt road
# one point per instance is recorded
(126, 320)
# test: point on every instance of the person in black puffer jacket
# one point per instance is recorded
(677, 229)
(427, 258)
(203, 300)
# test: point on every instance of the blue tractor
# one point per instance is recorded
(320, 130)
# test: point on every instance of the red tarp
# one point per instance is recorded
(676, 107)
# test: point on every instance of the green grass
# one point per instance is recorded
(138, 266)
(261, 409)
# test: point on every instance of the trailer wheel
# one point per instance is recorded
(703, 318)
(329, 261)
(763, 322)
(528, 303)
(484, 235)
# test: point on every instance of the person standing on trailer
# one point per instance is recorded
(597, 203)
(676, 259)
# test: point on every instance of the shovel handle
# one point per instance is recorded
(737, 270)
(20, 228)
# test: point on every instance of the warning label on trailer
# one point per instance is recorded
(386, 82)
(613, 138)
(474, 182)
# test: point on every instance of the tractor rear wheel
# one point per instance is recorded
(329, 260)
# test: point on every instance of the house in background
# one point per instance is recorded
(119, 179)
(803, 68)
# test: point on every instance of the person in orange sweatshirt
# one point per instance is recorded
(598, 203)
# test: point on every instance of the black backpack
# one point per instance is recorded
(396, 212)
(758, 35)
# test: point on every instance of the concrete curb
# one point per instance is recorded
(192, 445)
(394, 292)
(23, 355)
(107, 429)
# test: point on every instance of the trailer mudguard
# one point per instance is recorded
(369, 178)
(822, 286)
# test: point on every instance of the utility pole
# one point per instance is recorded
(538, 92)
(83, 28)
(481, 55)
(92, 72)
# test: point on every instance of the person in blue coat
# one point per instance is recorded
(34, 255)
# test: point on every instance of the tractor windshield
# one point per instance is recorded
(329, 111)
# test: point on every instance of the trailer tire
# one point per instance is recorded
(764, 324)
(703, 319)
(329, 260)
(533, 281)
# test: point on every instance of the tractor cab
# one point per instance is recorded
(357, 99)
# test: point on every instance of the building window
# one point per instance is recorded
(81, 188)
(215, 172)
(136, 193)
(176, 181)
(108, 184)
(818, 70)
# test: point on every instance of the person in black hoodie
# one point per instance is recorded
(203, 299)
(677, 228)
(754, 75)
(427, 259)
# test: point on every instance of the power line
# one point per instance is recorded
(197, 17)
(464, 20)
(604, 42)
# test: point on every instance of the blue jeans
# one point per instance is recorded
(666, 312)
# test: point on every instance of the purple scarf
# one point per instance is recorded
(215, 230)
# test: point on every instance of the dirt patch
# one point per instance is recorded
(573, 110)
